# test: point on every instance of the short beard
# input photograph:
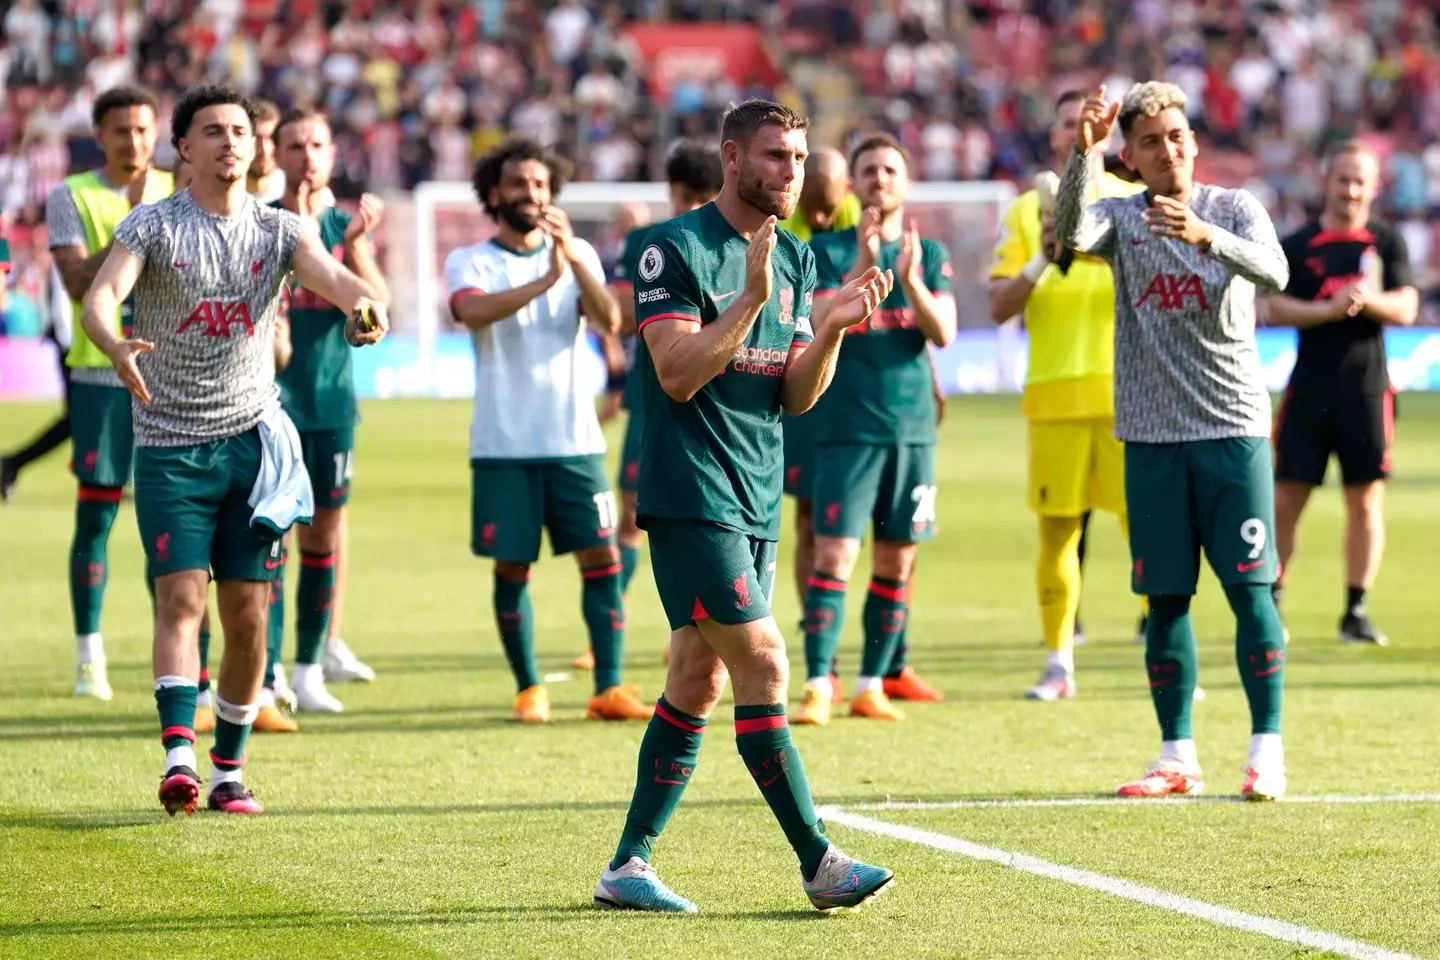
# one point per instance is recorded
(514, 219)
(752, 190)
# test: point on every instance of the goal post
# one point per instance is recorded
(965, 216)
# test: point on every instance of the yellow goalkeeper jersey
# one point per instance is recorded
(1070, 318)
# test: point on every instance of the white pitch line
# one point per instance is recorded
(1222, 916)
(1130, 801)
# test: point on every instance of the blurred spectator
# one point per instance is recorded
(417, 88)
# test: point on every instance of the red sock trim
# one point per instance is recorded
(759, 724)
(825, 583)
(671, 719)
(185, 732)
(900, 594)
(90, 494)
(226, 763)
(204, 673)
(523, 578)
(317, 560)
(595, 573)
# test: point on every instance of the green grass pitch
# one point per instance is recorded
(421, 823)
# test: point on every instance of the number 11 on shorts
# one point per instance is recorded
(607, 516)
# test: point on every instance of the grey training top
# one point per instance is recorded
(1186, 365)
(207, 299)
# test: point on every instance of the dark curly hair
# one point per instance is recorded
(208, 95)
(119, 98)
(489, 168)
(697, 167)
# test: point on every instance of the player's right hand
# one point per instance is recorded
(757, 262)
(1096, 120)
(1349, 300)
(122, 357)
(868, 235)
(304, 198)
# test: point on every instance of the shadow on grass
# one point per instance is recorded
(324, 919)
(154, 817)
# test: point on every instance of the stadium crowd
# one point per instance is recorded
(417, 89)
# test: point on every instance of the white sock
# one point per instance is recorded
(308, 676)
(822, 686)
(206, 698)
(1265, 750)
(1181, 752)
(869, 683)
(183, 756)
(89, 648)
(1064, 657)
(218, 776)
(240, 714)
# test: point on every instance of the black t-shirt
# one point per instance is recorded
(1343, 356)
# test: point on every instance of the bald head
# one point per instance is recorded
(827, 179)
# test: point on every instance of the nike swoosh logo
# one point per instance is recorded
(181, 266)
(852, 883)
(1266, 673)
(1247, 567)
(717, 297)
(274, 564)
(766, 783)
(673, 783)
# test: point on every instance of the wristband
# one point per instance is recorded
(1032, 270)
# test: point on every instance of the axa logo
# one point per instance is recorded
(219, 316)
(1172, 291)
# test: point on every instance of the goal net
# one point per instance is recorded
(965, 216)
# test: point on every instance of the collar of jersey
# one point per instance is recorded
(534, 252)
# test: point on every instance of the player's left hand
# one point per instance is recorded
(554, 222)
(368, 323)
(1171, 218)
(909, 268)
(372, 211)
(858, 299)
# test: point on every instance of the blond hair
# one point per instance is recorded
(1338, 150)
(1147, 100)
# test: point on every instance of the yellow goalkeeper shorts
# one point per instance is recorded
(1076, 466)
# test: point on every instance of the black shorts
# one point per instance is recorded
(1358, 428)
